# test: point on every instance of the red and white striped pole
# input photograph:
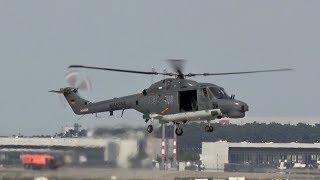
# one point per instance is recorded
(174, 151)
(163, 148)
(174, 148)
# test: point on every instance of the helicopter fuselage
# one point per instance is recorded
(168, 100)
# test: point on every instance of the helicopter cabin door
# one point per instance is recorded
(204, 99)
(188, 101)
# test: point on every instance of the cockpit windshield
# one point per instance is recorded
(219, 93)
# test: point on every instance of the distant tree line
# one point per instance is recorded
(76, 131)
(102, 131)
(194, 134)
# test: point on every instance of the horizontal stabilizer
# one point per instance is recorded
(66, 90)
(55, 91)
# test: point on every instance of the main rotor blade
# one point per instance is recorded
(231, 73)
(122, 70)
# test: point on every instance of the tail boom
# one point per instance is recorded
(82, 106)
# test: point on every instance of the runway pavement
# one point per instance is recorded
(104, 173)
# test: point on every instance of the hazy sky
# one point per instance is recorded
(39, 39)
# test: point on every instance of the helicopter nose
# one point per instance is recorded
(242, 106)
(238, 109)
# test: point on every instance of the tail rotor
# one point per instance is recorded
(77, 80)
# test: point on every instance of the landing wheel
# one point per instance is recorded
(208, 128)
(150, 128)
(179, 131)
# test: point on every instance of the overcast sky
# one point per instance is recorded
(39, 39)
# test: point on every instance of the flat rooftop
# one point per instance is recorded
(263, 145)
(68, 142)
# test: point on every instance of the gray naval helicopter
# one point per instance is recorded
(177, 100)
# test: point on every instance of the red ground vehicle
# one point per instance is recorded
(40, 161)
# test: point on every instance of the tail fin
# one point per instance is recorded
(77, 104)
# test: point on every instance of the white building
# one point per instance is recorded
(215, 155)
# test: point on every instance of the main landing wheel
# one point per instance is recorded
(150, 128)
(208, 128)
(179, 131)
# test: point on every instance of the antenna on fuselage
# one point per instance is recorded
(164, 71)
(152, 76)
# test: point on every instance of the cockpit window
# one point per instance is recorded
(219, 93)
(204, 90)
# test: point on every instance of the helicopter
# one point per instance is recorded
(176, 99)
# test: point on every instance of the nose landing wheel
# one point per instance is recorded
(208, 128)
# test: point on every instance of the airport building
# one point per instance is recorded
(73, 151)
(108, 151)
(226, 156)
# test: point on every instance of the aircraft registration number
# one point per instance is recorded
(118, 105)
